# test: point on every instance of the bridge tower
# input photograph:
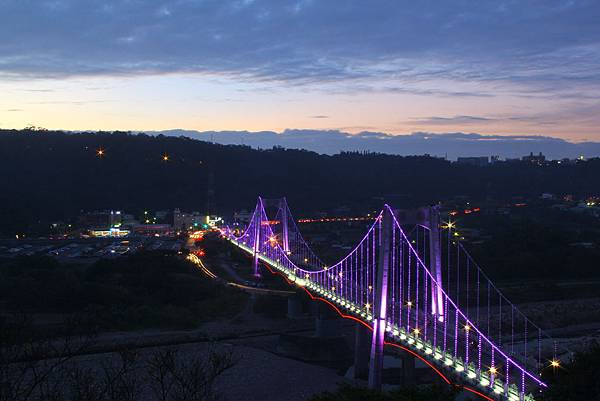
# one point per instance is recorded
(256, 246)
(283, 207)
(427, 217)
(435, 260)
(380, 301)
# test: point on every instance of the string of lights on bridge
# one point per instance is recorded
(487, 357)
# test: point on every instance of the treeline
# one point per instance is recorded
(49, 176)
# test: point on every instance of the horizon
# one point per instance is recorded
(449, 146)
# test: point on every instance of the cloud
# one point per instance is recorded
(14, 110)
(39, 90)
(478, 121)
(319, 116)
(452, 144)
(69, 102)
(435, 92)
(535, 47)
(456, 120)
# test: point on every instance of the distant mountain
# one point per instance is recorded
(451, 145)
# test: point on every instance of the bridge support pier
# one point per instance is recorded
(255, 266)
(408, 369)
(294, 307)
(327, 323)
(361, 352)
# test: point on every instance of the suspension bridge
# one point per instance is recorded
(413, 283)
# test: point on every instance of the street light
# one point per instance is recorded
(449, 225)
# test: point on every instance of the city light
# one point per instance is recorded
(493, 370)
(165, 158)
(555, 363)
(449, 225)
(100, 152)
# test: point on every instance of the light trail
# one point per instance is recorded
(198, 262)
(206, 271)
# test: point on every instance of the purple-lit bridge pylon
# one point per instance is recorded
(417, 288)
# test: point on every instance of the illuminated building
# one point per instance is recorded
(101, 219)
(113, 232)
(183, 221)
(535, 159)
(214, 221)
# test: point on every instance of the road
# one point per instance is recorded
(238, 280)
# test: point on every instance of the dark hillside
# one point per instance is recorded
(53, 175)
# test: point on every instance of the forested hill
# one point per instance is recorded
(53, 175)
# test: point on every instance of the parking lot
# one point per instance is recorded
(88, 248)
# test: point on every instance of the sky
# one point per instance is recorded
(502, 68)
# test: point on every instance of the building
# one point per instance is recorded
(214, 221)
(153, 230)
(94, 219)
(101, 219)
(242, 217)
(183, 221)
(112, 232)
(534, 159)
(474, 161)
(161, 214)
